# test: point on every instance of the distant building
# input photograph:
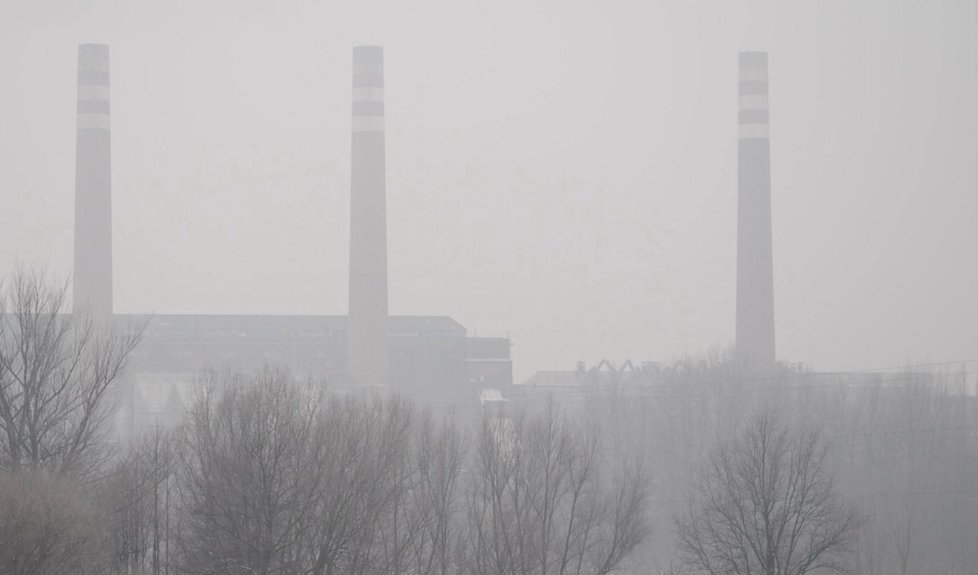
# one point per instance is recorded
(432, 359)
(604, 373)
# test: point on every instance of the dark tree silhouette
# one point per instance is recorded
(766, 504)
(57, 372)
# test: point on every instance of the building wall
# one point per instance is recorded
(431, 358)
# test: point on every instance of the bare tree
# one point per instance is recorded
(439, 456)
(360, 526)
(250, 471)
(541, 501)
(909, 460)
(277, 478)
(47, 527)
(388, 517)
(766, 504)
(57, 372)
(135, 502)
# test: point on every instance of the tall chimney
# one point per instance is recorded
(93, 185)
(755, 267)
(367, 330)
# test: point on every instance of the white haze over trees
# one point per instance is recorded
(710, 468)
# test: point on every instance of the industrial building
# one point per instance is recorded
(429, 358)
(432, 359)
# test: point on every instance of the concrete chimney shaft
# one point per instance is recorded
(92, 278)
(755, 343)
(367, 329)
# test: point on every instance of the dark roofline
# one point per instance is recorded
(244, 322)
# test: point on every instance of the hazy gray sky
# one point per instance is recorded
(564, 172)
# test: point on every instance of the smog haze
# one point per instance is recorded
(561, 173)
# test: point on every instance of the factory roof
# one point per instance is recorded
(290, 326)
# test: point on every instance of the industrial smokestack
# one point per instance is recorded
(755, 266)
(367, 330)
(93, 185)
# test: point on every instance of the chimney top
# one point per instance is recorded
(753, 58)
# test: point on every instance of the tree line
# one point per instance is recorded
(272, 476)
(707, 472)
(898, 446)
